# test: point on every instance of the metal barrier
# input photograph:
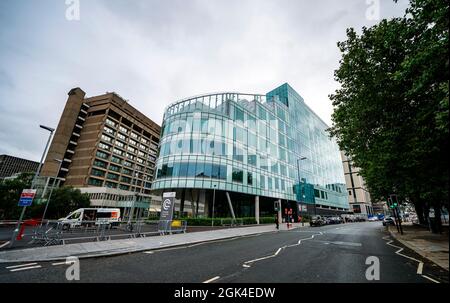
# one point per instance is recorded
(232, 222)
(57, 233)
(171, 226)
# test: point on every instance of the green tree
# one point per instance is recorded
(10, 191)
(63, 201)
(391, 111)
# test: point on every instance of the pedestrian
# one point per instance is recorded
(277, 223)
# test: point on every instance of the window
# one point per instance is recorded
(121, 137)
(107, 138)
(238, 114)
(120, 144)
(125, 180)
(114, 168)
(316, 193)
(111, 122)
(249, 178)
(251, 159)
(262, 182)
(112, 176)
(104, 146)
(108, 130)
(133, 142)
(238, 154)
(116, 160)
(97, 172)
(110, 184)
(127, 164)
(237, 175)
(95, 182)
(118, 151)
(123, 129)
(126, 171)
(99, 163)
(102, 155)
(134, 135)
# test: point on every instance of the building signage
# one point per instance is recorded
(27, 196)
(167, 206)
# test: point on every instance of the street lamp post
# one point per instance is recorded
(53, 187)
(299, 180)
(214, 200)
(33, 183)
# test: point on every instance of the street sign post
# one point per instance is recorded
(167, 206)
(27, 196)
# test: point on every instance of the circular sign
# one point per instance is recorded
(166, 204)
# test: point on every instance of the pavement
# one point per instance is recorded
(341, 253)
(433, 247)
(122, 246)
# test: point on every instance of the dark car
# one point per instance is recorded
(388, 221)
(317, 221)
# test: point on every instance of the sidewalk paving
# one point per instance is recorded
(116, 247)
(433, 247)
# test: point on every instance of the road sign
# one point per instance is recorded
(167, 206)
(27, 196)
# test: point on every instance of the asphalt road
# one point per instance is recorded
(329, 254)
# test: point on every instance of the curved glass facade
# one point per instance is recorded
(250, 144)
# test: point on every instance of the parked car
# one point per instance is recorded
(388, 221)
(91, 216)
(317, 221)
(372, 219)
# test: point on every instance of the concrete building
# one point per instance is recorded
(10, 166)
(358, 195)
(229, 153)
(108, 149)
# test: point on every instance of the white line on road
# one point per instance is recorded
(419, 267)
(247, 263)
(26, 268)
(4, 244)
(212, 279)
(21, 265)
(59, 263)
(435, 281)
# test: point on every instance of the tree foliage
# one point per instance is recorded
(391, 111)
(62, 202)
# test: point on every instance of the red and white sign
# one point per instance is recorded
(28, 193)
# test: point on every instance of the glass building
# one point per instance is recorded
(243, 152)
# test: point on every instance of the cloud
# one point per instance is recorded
(155, 52)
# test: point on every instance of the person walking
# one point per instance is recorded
(277, 223)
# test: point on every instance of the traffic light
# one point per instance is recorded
(394, 201)
(277, 205)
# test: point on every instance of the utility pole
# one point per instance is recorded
(214, 200)
(53, 187)
(33, 183)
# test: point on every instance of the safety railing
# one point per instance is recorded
(231, 222)
(61, 233)
(171, 226)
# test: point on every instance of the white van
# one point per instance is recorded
(91, 216)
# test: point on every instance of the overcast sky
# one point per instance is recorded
(155, 52)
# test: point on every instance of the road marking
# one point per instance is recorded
(212, 279)
(4, 244)
(148, 252)
(248, 263)
(26, 268)
(341, 243)
(419, 267)
(59, 263)
(21, 265)
(435, 281)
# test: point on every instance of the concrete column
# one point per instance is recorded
(257, 209)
